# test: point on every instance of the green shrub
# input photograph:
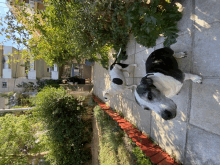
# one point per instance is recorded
(149, 21)
(65, 137)
(53, 83)
(17, 139)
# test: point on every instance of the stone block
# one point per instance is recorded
(202, 147)
(140, 59)
(184, 44)
(206, 61)
(160, 40)
(185, 24)
(207, 11)
(141, 118)
(128, 94)
(98, 70)
(140, 48)
(170, 135)
(104, 83)
(182, 101)
(137, 80)
(127, 109)
(131, 45)
(205, 108)
(115, 103)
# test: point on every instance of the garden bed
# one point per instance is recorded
(154, 152)
(116, 148)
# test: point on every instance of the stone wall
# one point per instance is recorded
(193, 137)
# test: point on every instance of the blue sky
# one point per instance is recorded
(3, 10)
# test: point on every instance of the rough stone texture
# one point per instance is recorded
(205, 112)
(185, 24)
(137, 80)
(206, 52)
(141, 118)
(193, 137)
(140, 48)
(115, 102)
(127, 109)
(207, 11)
(160, 40)
(184, 44)
(140, 59)
(202, 148)
(182, 101)
(128, 93)
(131, 46)
(170, 135)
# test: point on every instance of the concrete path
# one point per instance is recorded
(193, 137)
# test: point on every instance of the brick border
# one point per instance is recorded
(156, 154)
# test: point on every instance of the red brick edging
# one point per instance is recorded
(156, 154)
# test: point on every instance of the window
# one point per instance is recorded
(4, 84)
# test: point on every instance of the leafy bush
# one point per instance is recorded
(65, 137)
(17, 139)
(48, 82)
(149, 21)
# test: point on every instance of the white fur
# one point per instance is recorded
(117, 72)
(168, 85)
(158, 107)
(193, 77)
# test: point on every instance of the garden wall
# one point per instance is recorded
(193, 137)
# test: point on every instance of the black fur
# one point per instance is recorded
(117, 81)
(162, 60)
(112, 66)
(122, 65)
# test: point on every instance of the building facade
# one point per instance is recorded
(13, 72)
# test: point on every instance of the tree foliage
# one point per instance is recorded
(17, 139)
(79, 29)
(66, 136)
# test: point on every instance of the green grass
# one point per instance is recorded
(113, 148)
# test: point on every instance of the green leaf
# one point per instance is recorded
(7, 36)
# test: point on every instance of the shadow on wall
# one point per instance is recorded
(171, 135)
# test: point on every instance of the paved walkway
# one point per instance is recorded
(193, 137)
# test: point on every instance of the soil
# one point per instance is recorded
(95, 143)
